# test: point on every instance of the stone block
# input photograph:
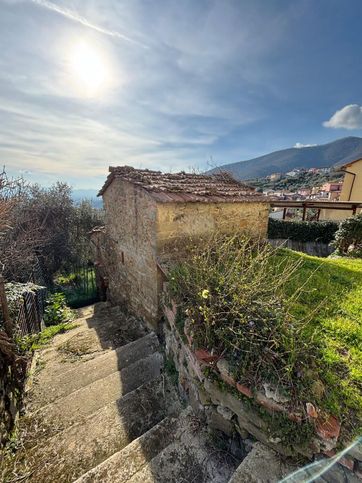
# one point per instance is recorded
(204, 397)
(337, 474)
(224, 369)
(268, 403)
(347, 462)
(311, 411)
(228, 379)
(261, 465)
(193, 364)
(194, 399)
(358, 470)
(264, 437)
(244, 434)
(216, 421)
(225, 398)
(328, 428)
(226, 413)
(356, 450)
(244, 390)
(274, 393)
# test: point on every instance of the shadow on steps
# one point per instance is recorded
(109, 413)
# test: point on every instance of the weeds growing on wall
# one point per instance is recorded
(277, 316)
(232, 294)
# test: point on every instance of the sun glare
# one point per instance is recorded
(88, 70)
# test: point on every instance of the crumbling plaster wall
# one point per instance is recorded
(178, 220)
(129, 248)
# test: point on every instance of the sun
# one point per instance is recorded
(88, 69)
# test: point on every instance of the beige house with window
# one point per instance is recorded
(146, 212)
(351, 190)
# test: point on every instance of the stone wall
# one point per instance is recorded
(179, 220)
(138, 231)
(126, 249)
(12, 376)
(263, 415)
(311, 248)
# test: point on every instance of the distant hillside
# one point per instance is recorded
(336, 153)
(89, 195)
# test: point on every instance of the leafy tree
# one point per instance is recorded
(42, 225)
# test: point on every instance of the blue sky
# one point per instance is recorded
(172, 85)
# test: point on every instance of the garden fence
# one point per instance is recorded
(23, 305)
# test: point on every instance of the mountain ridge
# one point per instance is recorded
(335, 153)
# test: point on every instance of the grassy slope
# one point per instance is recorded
(334, 288)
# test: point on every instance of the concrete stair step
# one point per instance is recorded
(79, 404)
(176, 450)
(71, 453)
(175, 464)
(191, 457)
(121, 466)
(97, 331)
(52, 387)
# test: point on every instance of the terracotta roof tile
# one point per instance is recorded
(184, 187)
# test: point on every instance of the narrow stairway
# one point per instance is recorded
(101, 408)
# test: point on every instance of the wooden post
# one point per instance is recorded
(284, 213)
(304, 212)
(5, 309)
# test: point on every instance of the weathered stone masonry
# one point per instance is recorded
(147, 212)
(205, 381)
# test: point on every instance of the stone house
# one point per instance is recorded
(146, 212)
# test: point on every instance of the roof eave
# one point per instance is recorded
(347, 165)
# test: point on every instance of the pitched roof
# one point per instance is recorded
(183, 187)
(349, 164)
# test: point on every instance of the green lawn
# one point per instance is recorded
(333, 289)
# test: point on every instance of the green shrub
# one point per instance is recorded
(66, 279)
(232, 293)
(57, 311)
(348, 238)
(303, 231)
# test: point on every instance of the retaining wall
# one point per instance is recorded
(311, 248)
(205, 381)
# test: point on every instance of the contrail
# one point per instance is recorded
(83, 21)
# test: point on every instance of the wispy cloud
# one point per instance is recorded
(72, 15)
(349, 117)
(186, 81)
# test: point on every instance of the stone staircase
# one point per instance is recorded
(101, 408)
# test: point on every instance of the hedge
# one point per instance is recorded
(303, 231)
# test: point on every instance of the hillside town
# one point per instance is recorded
(330, 190)
(313, 184)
